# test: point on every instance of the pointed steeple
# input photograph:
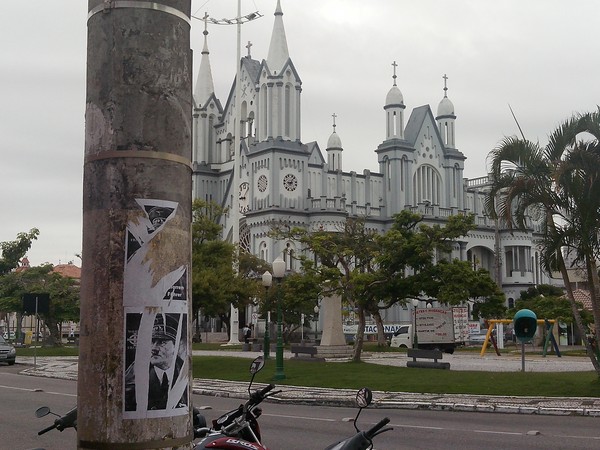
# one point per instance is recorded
(278, 49)
(204, 83)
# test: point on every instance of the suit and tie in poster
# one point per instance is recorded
(157, 358)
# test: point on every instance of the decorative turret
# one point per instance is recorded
(394, 108)
(207, 109)
(278, 49)
(445, 118)
(279, 90)
(334, 149)
(204, 83)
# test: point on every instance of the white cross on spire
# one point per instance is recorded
(445, 77)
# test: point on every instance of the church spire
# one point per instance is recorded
(334, 149)
(446, 118)
(278, 49)
(204, 83)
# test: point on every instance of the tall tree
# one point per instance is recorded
(338, 259)
(561, 182)
(11, 252)
(372, 271)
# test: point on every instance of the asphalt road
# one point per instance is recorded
(303, 427)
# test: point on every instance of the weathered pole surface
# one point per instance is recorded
(135, 358)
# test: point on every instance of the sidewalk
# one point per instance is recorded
(66, 368)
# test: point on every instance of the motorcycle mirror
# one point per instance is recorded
(257, 365)
(41, 412)
(364, 397)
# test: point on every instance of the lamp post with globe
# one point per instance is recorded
(267, 280)
(316, 310)
(278, 273)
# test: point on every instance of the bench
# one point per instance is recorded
(306, 350)
(434, 355)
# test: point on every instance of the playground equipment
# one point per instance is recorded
(549, 323)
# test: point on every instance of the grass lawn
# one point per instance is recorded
(383, 378)
(403, 379)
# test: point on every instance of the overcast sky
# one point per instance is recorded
(539, 56)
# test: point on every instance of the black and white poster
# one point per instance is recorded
(156, 375)
(155, 301)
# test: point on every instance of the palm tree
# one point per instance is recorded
(561, 181)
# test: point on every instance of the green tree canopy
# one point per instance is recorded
(372, 271)
(11, 252)
(63, 291)
(548, 302)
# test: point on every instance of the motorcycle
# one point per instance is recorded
(69, 420)
(362, 440)
(239, 428)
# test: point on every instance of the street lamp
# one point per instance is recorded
(267, 281)
(316, 310)
(278, 273)
(415, 303)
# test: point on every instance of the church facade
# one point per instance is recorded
(283, 178)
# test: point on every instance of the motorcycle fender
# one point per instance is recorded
(231, 443)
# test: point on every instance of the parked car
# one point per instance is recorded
(6, 335)
(7, 352)
(479, 337)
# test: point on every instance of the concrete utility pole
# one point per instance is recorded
(135, 354)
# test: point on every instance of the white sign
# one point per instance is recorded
(372, 328)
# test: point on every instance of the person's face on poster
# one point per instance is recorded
(162, 353)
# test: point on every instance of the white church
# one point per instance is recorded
(282, 176)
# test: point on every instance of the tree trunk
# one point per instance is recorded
(592, 270)
(360, 335)
(53, 326)
(576, 314)
(381, 341)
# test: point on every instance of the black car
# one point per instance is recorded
(7, 352)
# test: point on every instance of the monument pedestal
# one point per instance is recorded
(333, 342)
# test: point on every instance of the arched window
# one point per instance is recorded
(245, 237)
(212, 155)
(427, 185)
(289, 256)
(288, 111)
(264, 108)
(263, 252)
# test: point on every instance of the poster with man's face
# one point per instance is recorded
(156, 375)
(155, 301)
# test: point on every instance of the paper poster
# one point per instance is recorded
(156, 375)
(155, 301)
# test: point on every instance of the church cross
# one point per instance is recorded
(445, 77)
(205, 18)
(334, 115)
(394, 77)
(248, 47)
